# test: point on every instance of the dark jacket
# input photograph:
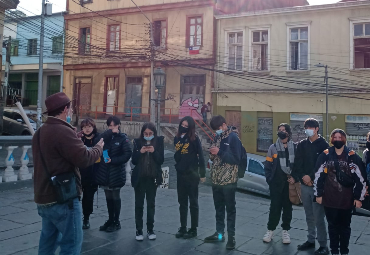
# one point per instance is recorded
(157, 156)
(326, 185)
(272, 165)
(88, 174)
(113, 174)
(63, 152)
(306, 156)
(189, 157)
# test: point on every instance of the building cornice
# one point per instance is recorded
(295, 9)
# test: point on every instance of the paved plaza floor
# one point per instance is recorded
(20, 227)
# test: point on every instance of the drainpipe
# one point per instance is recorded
(62, 72)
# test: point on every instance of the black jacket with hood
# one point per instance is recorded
(306, 156)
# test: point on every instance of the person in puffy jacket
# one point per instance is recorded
(190, 168)
(90, 137)
(339, 186)
(111, 175)
(148, 157)
(278, 167)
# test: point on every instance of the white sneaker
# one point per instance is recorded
(151, 235)
(286, 237)
(268, 236)
(139, 235)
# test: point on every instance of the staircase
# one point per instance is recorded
(205, 134)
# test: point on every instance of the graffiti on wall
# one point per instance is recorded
(190, 108)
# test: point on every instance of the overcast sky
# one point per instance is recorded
(34, 6)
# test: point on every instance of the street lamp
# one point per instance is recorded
(327, 97)
(160, 83)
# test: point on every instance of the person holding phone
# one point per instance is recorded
(148, 157)
(111, 175)
(190, 167)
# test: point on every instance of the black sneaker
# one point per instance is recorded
(85, 224)
(191, 233)
(231, 243)
(306, 246)
(216, 237)
(182, 231)
(106, 225)
(139, 235)
(322, 251)
(114, 226)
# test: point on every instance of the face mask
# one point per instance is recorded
(68, 120)
(219, 132)
(338, 144)
(309, 132)
(368, 145)
(148, 138)
(282, 135)
(184, 130)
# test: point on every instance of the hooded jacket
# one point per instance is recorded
(306, 156)
(335, 195)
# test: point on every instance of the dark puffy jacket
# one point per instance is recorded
(88, 174)
(113, 174)
(158, 158)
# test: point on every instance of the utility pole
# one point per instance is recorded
(6, 83)
(327, 97)
(41, 66)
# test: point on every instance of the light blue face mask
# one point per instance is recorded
(149, 138)
(219, 132)
(68, 120)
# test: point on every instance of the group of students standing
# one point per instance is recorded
(333, 182)
(147, 157)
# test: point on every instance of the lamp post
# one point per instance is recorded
(160, 83)
(327, 97)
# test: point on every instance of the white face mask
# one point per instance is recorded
(309, 132)
(219, 132)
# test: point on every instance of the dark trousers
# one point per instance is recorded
(146, 187)
(113, 198)
(224, 196)
(88, 199)
(280, 202)
(187, 191)
(339, 226)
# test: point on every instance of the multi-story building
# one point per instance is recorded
(108, 52)
(24, 55)
(269, 70)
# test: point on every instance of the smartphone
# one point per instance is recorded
(147, 145)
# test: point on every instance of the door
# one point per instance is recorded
(111, 95)
(53, 85)
(192, 96)
(31, 88)
(133, 95)
(233, 118)
(255, 177)
(83, 93)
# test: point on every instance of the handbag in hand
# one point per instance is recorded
(64, 184)
(295, 194)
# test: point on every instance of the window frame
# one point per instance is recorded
(353, 22)
(12, 47)
(28, 47)
(80, 43)
(165, 46)
(299, 25)
(108, 38)
(251, 43)
(188, 17)
(53, 47)
(226, 60)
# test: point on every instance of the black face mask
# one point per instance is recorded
(338, 144)
(368, 145)
(282, 135)
(184, 130)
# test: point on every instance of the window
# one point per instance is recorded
(259, 50)
(114, 38)
(57, 47)
(255, 167)
(32, 47)
(195, 31)
(265, 134)
(235, 51)
(14, 48)
(361, 42)
(298, 51)
(160, 33)
(85, 41)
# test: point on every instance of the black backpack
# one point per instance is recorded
(243, 163)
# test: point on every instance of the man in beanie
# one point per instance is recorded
(58, 150)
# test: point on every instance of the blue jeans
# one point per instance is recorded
(61, 225)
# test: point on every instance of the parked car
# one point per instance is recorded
(254, 179)
(14, 123)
